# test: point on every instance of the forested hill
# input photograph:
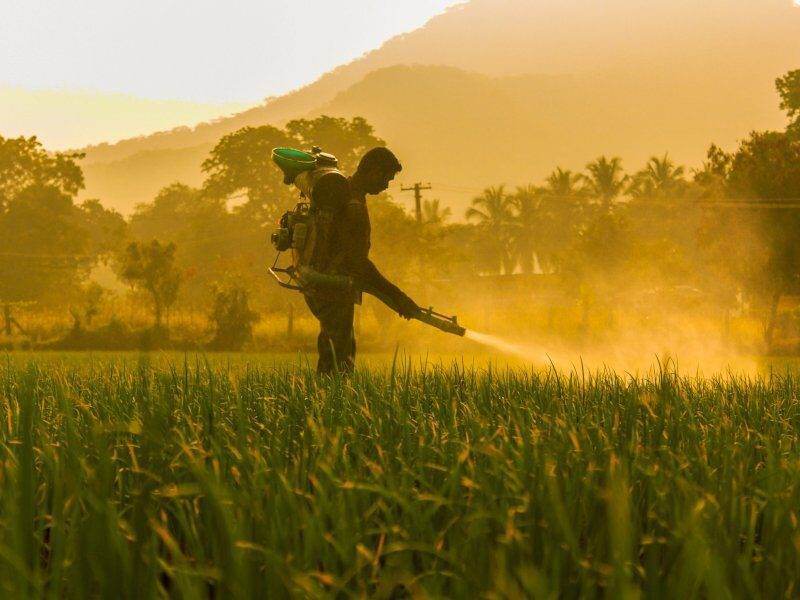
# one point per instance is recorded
(463, 131)
(544, 83)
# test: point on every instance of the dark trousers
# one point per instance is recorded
(336, 342)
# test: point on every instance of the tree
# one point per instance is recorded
(766, 168)
(788, 88)
(712, 177)
(24, 163)
(347, 140)
(107, 228)
(563, 215)
(433, 213)
(493, 212)
(174, 211)
(563, 183)
(660, 178)
(232, 318)
(527, 219)
(241, 163)
(606, 180)
(87, 306)
(214, 244)
(47, 243)
(595, 270)
(663, 228)
(44, 245)
(395, 238)
(151, 267)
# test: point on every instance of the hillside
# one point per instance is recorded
(551, 82)
(464, 131)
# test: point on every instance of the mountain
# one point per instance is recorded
(463, 131)
(505, 90)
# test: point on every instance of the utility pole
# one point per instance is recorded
(417, 188)
(9, 320)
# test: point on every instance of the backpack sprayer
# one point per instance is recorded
(306, 232)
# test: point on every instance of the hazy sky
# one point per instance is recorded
(198, 50)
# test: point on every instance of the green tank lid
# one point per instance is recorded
(293, 162)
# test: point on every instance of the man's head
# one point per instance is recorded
(376, 169)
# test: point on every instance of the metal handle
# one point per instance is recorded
(287, 283)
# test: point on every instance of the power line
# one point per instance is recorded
(457, 188)
(48, 256)
(789, 203)
(768, 203)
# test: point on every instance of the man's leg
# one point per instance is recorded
(325, 356)
(343, 336)
(325, 362)
(336, 340)
(336, 320)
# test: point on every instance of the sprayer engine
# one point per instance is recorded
(292, 229)
(281, 239)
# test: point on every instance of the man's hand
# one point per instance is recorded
(406, 307)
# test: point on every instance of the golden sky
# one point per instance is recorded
(90, 70)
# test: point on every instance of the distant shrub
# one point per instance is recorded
(114, 335)
(232, 318)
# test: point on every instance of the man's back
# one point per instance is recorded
(353, 235)
(348, 254)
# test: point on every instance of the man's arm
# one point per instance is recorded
(363, 270)
(374, 280)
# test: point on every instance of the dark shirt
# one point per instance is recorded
(354, 240)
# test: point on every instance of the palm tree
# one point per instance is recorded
(433, 213)
(660, 178)
(493, 212)
(527, 219)
(606, 179)
(564, 184)
(562, 204)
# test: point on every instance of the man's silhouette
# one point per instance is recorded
(350, 246)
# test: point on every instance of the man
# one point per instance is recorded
(351, 242)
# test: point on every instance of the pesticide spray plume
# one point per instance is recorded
(525, 353)
(625, 355)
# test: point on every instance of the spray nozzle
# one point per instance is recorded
(440, 321)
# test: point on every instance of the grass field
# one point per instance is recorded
(148, 477)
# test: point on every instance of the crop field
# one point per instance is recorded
(218, 479)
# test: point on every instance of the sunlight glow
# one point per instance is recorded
(206, 51)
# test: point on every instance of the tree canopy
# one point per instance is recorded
(47, 243)
(24, 163)
(151, 267)
(789, 90)
(241, 162)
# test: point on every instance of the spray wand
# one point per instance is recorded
(427, 316)
(304, 278)
(440, 321)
